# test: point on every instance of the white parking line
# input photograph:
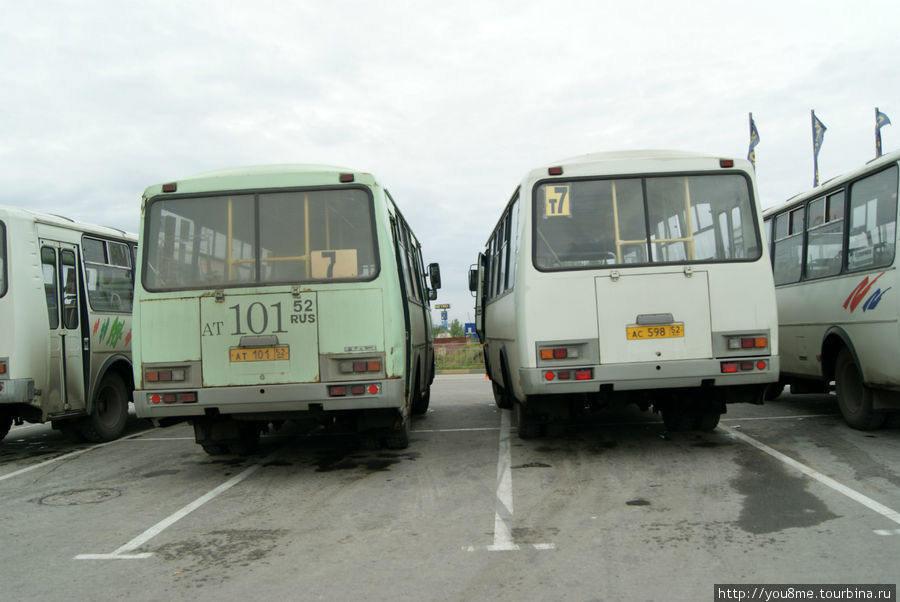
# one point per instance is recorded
(854, 495)
(503, 508)
(67, 456)
(125, 552)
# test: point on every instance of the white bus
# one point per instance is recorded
(629, 277)
(281, 292)
(834, 264)
(65, 324)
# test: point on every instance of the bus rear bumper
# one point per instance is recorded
(271, 399)
(683, 374)
(20, 390)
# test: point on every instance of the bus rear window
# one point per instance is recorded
(261, 238)
(631, 221)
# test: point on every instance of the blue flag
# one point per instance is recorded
(881, 120)
(818, 133)
(754, 140)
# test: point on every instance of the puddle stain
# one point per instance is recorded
(775, 500)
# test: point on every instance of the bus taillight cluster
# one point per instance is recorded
(181, 397)
(745, 366)
(344, 390)
(577, 374)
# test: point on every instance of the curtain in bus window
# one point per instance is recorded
(873, 219)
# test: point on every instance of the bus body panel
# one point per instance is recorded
(336, 318)
(873, 329)
(833, 253)
(629, 305)
(60, 336)
(544, 293)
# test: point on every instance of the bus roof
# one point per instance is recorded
(635, 161)
(9, 212)
(870, 165)
(263, 176)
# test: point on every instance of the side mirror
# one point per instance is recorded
(434, 275)
(473, 279)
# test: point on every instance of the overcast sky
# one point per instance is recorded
(448, 104)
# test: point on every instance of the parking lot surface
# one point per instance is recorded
(614, 508)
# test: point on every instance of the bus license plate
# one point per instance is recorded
(260, 354)
(659, 331)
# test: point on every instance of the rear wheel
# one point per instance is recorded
(528, 426)
(502, 398)
(706, 421)
(6, 421)
(854, 397)
(398, 438)
(420, 400)
(110, 411)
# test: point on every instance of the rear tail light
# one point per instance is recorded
(3, 367)
(164, 376)
(360, 366)
(580, 374)
(559, 353)
(747, 342)
(735, 367)
(180, 397)
(356, 389)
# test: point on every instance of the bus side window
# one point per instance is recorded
(51, 292)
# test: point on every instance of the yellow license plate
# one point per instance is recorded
(260, 354)
(659, 331)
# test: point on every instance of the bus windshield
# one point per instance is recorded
(627, 221)
(247, 239)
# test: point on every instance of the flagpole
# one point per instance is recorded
(812, 116)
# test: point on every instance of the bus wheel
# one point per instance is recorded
(677, 420)
(854, 397)
(706, 421)
(398, 438)
(6, 420)
(502, 398)
(420, 400)
(247, 441)
(110, 411)
(215, 449)
(529, 428)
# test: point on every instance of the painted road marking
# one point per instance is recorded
(67, 456)
(503, 507)
(125, 551)
(854, 495)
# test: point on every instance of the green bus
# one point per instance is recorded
(282, 292)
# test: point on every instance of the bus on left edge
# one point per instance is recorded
(66, 290)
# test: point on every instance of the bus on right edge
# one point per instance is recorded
(833, 255)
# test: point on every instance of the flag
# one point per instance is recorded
(754, 140)
(818, 133)
(880, 120)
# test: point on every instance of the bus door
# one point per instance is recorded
(65, 388)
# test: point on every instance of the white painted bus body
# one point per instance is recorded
(590, 309)
(62, 346)
(836, 288)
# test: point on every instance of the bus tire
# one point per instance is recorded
(854, 397)
(676, 420)
(398, 437)
(420, 400)
(6, 421)
(109, 413)
(502, 398)
(528, 427)
(215, 449)
(706, 421)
